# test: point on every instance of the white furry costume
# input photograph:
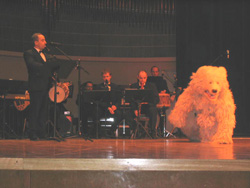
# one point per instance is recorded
(205, 111)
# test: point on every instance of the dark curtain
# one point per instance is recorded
(99, 28)
(205, 30)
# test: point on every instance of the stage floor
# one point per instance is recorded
(123, 163)
(125, 148)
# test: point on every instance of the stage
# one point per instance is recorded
(76, 162)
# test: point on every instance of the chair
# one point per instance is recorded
(141, 122)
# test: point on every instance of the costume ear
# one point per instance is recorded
(199, 72)
(223, 71)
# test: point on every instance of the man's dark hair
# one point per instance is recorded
(154, 67)
(85, 83)
(34, 37)
(106, 71)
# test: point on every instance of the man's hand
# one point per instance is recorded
(172, 98)
(111, 111)
(136, 113)
(113, 107)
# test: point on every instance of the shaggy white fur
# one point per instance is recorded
(205, 111)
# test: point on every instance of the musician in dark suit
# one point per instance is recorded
(88, 109)
(110, 107)
(150, 108)
(39, 81)
(158, 80)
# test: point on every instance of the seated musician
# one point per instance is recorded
(150, 108)
(160, 83)
(87, 108)
(110, 108)
(163, 91)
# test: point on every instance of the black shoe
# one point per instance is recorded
(33, 137)
(42, 136)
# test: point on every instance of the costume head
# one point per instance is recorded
(210, 81)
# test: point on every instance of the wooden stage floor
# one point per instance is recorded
(125, 148)
(123, 163)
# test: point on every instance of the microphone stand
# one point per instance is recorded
(163, 114)
(168, 78)
(79, 68)
(55, 115)
(224, 54)
(216, 59)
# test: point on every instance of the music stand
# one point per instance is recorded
(96, 97)
(139, 97)
(62, 70)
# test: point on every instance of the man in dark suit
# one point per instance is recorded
(39, 80)
(110, 107)
(158, 80)
(150, 108)
(88, 109)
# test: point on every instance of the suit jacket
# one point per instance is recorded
(148, 86)
(159, 82)
(40, 72)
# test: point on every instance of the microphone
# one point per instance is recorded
(55, 44)
(228, 54)
(47, 49)
(162, 73)
(106, 82)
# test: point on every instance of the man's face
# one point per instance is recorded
(106, 77)
(142, 77)
(89, 87)
(41, 42)
(155, 71)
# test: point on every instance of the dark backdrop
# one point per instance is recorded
(205, 30)
(100, 28)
